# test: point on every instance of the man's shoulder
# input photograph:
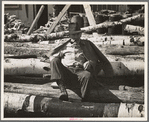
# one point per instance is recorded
(86, 41)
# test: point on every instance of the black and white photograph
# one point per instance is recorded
(74, 61)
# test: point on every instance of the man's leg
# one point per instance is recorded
(85, 79)
(62, 76)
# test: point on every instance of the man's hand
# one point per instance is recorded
(78, 64)
(88, 65)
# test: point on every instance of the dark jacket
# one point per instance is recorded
(92, 54)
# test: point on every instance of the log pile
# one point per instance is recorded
(62, 31)
(13, 25)
(35, 66)
(98, 93)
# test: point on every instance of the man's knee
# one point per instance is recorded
(86, 75)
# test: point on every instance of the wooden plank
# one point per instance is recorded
(36, 19)
(58, 18)
(90, 17)
(89, 14)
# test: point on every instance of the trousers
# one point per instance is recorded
(71, 77)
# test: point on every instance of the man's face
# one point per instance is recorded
(75, 36)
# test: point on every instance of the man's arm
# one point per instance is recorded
(55, 52)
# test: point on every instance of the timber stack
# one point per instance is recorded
(120, 37)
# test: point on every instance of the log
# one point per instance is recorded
(57, 35)
(110, 24)
(21, 57)
(133, 89)
(96, 94)
(18, 38)
(125, 50)
(35, 66)
(37, 106)
(93, 28)
(118, 40)
(134, 29)
(24, 66)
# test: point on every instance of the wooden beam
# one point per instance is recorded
(58, 18)
(36, 20)
(89, 14)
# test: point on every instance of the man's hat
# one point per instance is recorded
(74, 28)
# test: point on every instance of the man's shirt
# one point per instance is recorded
(72, 53)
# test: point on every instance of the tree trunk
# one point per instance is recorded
(134, 29)
(110, 24)
(97, 93)
(37, 106)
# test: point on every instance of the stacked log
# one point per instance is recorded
(97, 94)
(37, 106)
(35, 66)
(13, 25)
(89, 28)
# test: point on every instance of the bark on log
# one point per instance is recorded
(24, 66)
(21, 57)
(57, 35)
(125, 50)
(96, 94)
(134, 29)
(30, 105)
(18, 38)
(34, 66)
(133, 89)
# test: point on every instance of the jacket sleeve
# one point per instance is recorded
(56, 50)
(104, 62)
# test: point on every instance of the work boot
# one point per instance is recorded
(63, 94)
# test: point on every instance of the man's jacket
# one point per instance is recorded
(92, 54)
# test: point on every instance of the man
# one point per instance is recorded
(76, 62)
